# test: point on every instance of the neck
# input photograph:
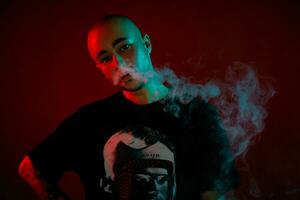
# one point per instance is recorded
(151, 92)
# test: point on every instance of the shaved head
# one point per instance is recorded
(116, 19)
(108, 21)
(109, 18)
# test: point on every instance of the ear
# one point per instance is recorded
(147, 43)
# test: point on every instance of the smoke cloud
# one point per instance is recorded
(240, 98)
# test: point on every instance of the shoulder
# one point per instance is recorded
(99, 105)
(205, 117)
(200, 107)
(92, 110)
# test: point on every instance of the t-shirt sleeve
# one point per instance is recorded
(212, 164)
(58, 152)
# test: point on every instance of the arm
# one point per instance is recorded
(217, 166)
(41, 186)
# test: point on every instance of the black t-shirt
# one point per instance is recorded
(203, 158)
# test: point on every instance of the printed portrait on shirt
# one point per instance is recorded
(139, 164)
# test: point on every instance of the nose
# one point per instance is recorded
(119, 61)
(153, 185)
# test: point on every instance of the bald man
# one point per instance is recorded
(122, 53)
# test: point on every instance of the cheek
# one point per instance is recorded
(141, 61)
(145, 59)
(137, 58)
(107, 73)
(164, 188)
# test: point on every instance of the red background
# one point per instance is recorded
(46, 73)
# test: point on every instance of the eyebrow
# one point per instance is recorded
(149, 174)
(115, 42)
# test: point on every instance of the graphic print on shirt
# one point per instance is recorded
(139, 164)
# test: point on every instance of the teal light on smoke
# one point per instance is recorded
(240, 99)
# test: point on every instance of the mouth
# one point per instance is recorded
(152, 196)
(125, 78)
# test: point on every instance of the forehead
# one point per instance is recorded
(154, 171)
(102, 36)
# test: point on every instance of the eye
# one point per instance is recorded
(125, 47)
(106, 59)
(162, 179)
(142, 178)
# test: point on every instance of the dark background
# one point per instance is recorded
(46, 73)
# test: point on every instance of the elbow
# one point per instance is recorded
(24, 167)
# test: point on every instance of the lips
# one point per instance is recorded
(153, 195)
(152, 198)
(125, 78)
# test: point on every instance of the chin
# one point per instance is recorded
(132, 86)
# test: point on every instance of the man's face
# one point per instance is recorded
(151, 184)
(121, 53)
